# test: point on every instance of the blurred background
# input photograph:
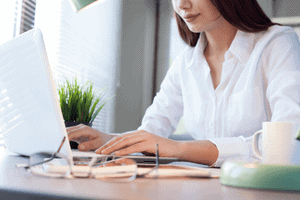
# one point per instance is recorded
(126, 46)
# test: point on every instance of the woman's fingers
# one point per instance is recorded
(116, 140)
(80, 132)
(139, 147)
(89, 145)
(120, 144)
(80, 139)
(140, 142)
(87, 137)
(75, 132)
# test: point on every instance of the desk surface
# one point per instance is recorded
(16, 181)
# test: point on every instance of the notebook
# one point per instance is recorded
(30, 116)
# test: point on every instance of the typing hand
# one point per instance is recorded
(141, 141)
(87, 137)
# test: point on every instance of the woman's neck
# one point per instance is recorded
(220, 38)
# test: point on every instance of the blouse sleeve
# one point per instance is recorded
(162, 117)
(283, 90)
(282, 60)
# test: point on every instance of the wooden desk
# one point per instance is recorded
(16, 183)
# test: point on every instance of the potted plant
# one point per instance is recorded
(79, 104)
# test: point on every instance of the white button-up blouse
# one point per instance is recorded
(260, 82)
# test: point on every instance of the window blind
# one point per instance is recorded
(83, 45)
(27, 15)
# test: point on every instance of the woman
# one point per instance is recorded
(240, 71)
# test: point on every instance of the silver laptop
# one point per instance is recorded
(30, 116)
(30, 119)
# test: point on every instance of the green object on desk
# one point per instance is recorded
(261, 176)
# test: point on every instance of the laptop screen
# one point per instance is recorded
(30, 119)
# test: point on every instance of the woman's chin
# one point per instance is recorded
(195, 29)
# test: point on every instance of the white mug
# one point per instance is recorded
(278, 143)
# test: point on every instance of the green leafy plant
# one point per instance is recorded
(79, 103)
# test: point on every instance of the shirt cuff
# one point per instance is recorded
(231, 148)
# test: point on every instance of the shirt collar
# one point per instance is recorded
(198, 52)
(241, 47)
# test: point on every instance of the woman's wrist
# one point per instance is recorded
(178, 152)
(201, 151)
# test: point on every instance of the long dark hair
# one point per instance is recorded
(246, 15)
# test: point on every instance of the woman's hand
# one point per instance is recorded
(87, 137)
(144, 142)
(141, 141)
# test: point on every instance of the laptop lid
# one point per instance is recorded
(30, 116)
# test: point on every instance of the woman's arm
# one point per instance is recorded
(201, 151)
